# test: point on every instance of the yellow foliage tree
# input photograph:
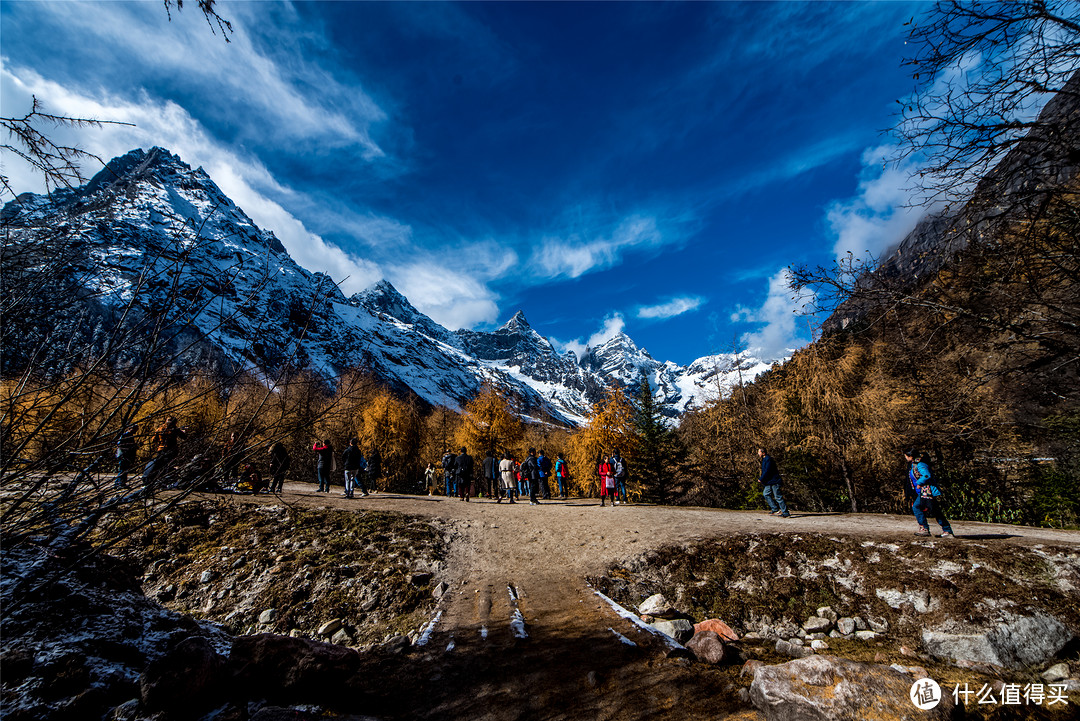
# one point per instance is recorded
(610, 427)
(488, 425)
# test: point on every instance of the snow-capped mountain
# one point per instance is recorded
(155, 241)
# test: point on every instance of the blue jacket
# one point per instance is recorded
(919, 475)
(769, 475)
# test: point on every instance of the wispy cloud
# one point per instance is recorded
(670, 309)
(611, 327)
(781, 330)
(574, 255)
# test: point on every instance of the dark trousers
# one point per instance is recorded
(278, 483)
(534, 489)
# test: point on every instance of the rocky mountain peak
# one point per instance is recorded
(517, 323)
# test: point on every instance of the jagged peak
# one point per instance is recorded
(517, 322)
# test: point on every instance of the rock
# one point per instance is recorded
(835, 634)
(796, 642)
(707, 647)
(206, 577)
(186, 679)
(1057, 672)
(1016, 642)
(920, 600)
(440, 590)
(875, 623)
(815, 624)
(1072, 685)
(826, 687)
(750, 667)
(126, 711)
(866, 635)
(801, 632)
(295, 633)
(815, 636)
(395, 644)
(845, 625)
(789, 649)
(818, 645)
(592, 679)
(341, 638)
(827, 612)
(329, 628)
(881, 657)
(420, 579)
(679, 629)
(718, 627)
(656, 605)
(276, 668)
(267, 616)
(986, 669)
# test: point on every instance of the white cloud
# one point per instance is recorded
(612, 326)
(674, 307)
(572, 256)
(451, 298)
(779, 314)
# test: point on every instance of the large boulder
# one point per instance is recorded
(679, 629)
(657, 605)
(1016, 642)
(718, 627)
(187, 678)
(707, 647)
(827, 688)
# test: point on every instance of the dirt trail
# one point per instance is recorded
(572, 665)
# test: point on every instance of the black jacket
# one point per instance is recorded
(769, 475)
(463, 467)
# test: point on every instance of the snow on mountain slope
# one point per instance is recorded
(153, 234)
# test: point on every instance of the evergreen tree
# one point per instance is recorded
(656, 450)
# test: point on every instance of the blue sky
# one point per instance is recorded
(644, 167)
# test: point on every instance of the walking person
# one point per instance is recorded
(928, 496)
(127, 454)
(770, 481)
(463, 474)
(431, 479)
(544, 464)
(530, 473)
(621, 474)
(607, 480)
(374, 469)
(508, 476)
(279, 465)
(352, 459)
(166, 443)
(230, 460)
(325, 452)
(562, 477)
(491, 474)
(448, 473)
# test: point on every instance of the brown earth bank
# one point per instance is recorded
(520, 632)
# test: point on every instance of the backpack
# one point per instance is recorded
(619, 469)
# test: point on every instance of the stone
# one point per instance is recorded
(206, 577)
(341, 638)
(267, 616)
(395, 644)
(796, 642)
(440, 590)
(866, 635)
(801, 632)
(718, 627)
(1072, 685)
(420, 579)
(656, 605)
(187, 679)
(679, 629)
(835, 634)
(986, 669)
(1057, 672)
(827, 688)
(827, 612)
(816, 636)
(818, 645)
(707, 646)
(126, 711)
(789, 649)
(592, 679)
(873, 623)
(1014, 643)
(846, 625)
(919, 599)
(330, 627)
(750, 667)
(815, 624)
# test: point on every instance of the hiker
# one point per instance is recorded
(620, 472)
(166, 443)
(431, 479)
(279, 465)
(230, 459)
(127, 454)
(463, 474)
(543, 463)
(928, 496)
(250, 481)
(448, 473)
(509, 477)
(770, 481)
(607, 479)
(325, 452)
(374, 469)
(562, 477)
(530, 474)
(491, 474)
(352, 459)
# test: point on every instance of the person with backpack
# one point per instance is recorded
(621, 474)
(562, 477)
(491, 474)
(770, 481)
(607, 479)
(928, 495)
(448, 473)
(463, 474)
(355, 466)
(279, 465)
(166, 444)
(530, 475)
(543, 463)
(127, 455)
(325, 452)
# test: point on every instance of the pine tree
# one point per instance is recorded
(656, 452)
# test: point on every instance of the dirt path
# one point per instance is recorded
(528, 560)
